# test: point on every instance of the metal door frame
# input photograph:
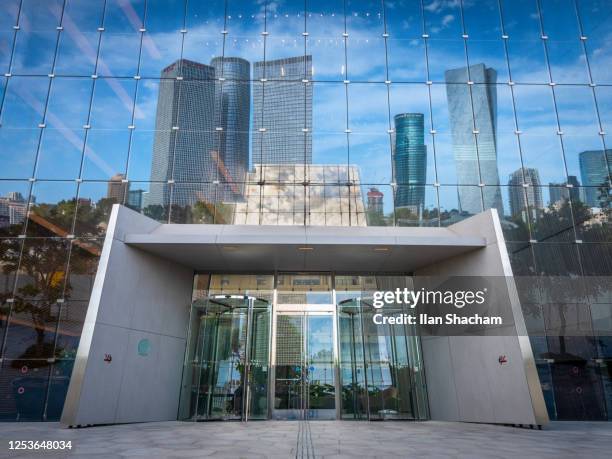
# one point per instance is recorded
(249, 302)
(303, 310)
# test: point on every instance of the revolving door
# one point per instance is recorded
(226, 369)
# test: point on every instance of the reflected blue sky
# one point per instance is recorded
(364, 42)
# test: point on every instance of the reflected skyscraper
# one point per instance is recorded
(409, 162)
(232, 102)
(595, 172)
(560, 192)
(282, 111)
(523, 199)
(473, 118)
(117, 188)
(184, 140)
(375, 202)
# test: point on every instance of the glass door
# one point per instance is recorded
(226, 366)
(305, 379)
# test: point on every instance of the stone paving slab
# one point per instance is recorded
(320, 439)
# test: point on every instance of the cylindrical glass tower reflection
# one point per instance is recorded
(232, 111)
(410, 162)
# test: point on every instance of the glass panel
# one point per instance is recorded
(8, 21)
(53, 206)
(31, 331)
(226, 376)
(320, 370)
(13, 207)
(309, 288)
(23, 389)
(37, 37)
(78, 45)
(289, 368)
(58, 387)
(350, 341)
(120, 43)
(161, 43)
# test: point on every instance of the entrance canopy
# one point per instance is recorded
(142, 295)
(234, 248)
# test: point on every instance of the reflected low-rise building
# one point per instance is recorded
(302, 194)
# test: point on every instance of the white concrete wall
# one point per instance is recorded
(465, 381)
(136, 295)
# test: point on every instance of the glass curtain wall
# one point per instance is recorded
(315, 112)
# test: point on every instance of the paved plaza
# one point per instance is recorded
(320, 439)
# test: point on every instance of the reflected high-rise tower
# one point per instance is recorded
(595, 172)
(184, 135)
(232, 112)
(523, 198)
(410, 162)
(473, 118)
(282, 111)
(569, 190)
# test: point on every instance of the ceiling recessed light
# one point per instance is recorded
(381, 249)
(305, 248)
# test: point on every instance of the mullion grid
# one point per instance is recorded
(592, 85)
(61, 301)
(431, 116)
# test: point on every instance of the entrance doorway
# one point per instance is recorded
(305, 380)
(299, 346)
(227, 366)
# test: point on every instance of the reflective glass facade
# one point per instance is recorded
(152, 103)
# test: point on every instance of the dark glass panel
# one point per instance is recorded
(58, 387)
(72, 316)
(82, 267)
(31, 332)
(556, 259)
(545, 374)
(578, 391)
(23, 389)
